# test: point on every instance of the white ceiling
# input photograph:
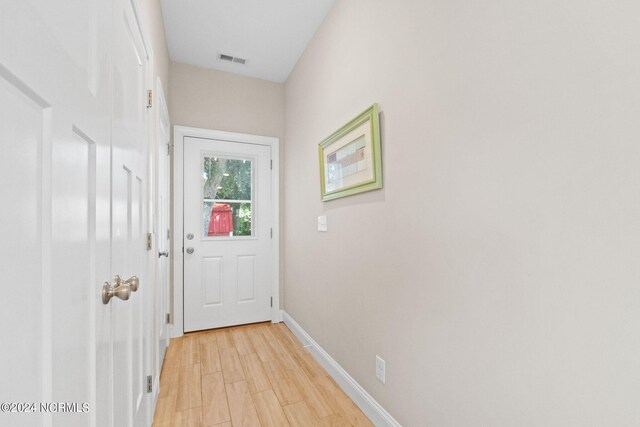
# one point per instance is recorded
(270, 34)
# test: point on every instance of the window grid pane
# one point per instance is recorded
(227, 196)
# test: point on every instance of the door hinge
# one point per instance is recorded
(271, 164)
(149, 98)
(272, 233)
(149, 241)
(149, 383)
(271, 301)
(168, 149)
(168, 234)
(168, 318)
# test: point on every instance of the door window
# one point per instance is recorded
(227, 193)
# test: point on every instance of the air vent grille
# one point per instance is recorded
(229, 58)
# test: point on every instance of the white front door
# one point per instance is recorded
(228, 251)
(72, 212)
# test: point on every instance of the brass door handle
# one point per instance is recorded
(132, 281)
(120, 288)
(123, 292)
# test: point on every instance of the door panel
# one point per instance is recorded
(25, 242)
(227, 208)
(245, 276)
(74, 219)
(212, 280)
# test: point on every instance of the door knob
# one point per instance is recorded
(133, 282)
(189, 251)
(164, 253)
(123, 292)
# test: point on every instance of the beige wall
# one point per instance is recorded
(497, 271)
(217, 100)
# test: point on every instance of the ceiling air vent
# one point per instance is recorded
(229, 58)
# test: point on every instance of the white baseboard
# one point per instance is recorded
(372, 409)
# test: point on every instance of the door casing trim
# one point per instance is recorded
(179, 134)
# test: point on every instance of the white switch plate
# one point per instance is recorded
(322, 223)
(380, 369)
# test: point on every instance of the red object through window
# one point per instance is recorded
(221, 222)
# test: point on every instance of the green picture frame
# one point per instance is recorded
(350, 158)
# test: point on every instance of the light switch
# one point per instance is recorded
(322, 223)
(380, 369)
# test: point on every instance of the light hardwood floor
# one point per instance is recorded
(253, 375)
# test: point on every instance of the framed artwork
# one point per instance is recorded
(350, 160)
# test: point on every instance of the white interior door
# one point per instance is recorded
(71, 83)
(129, 213)
(228, 251)
(162, 297)
(55, 132)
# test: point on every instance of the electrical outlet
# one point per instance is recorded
(380, 369)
